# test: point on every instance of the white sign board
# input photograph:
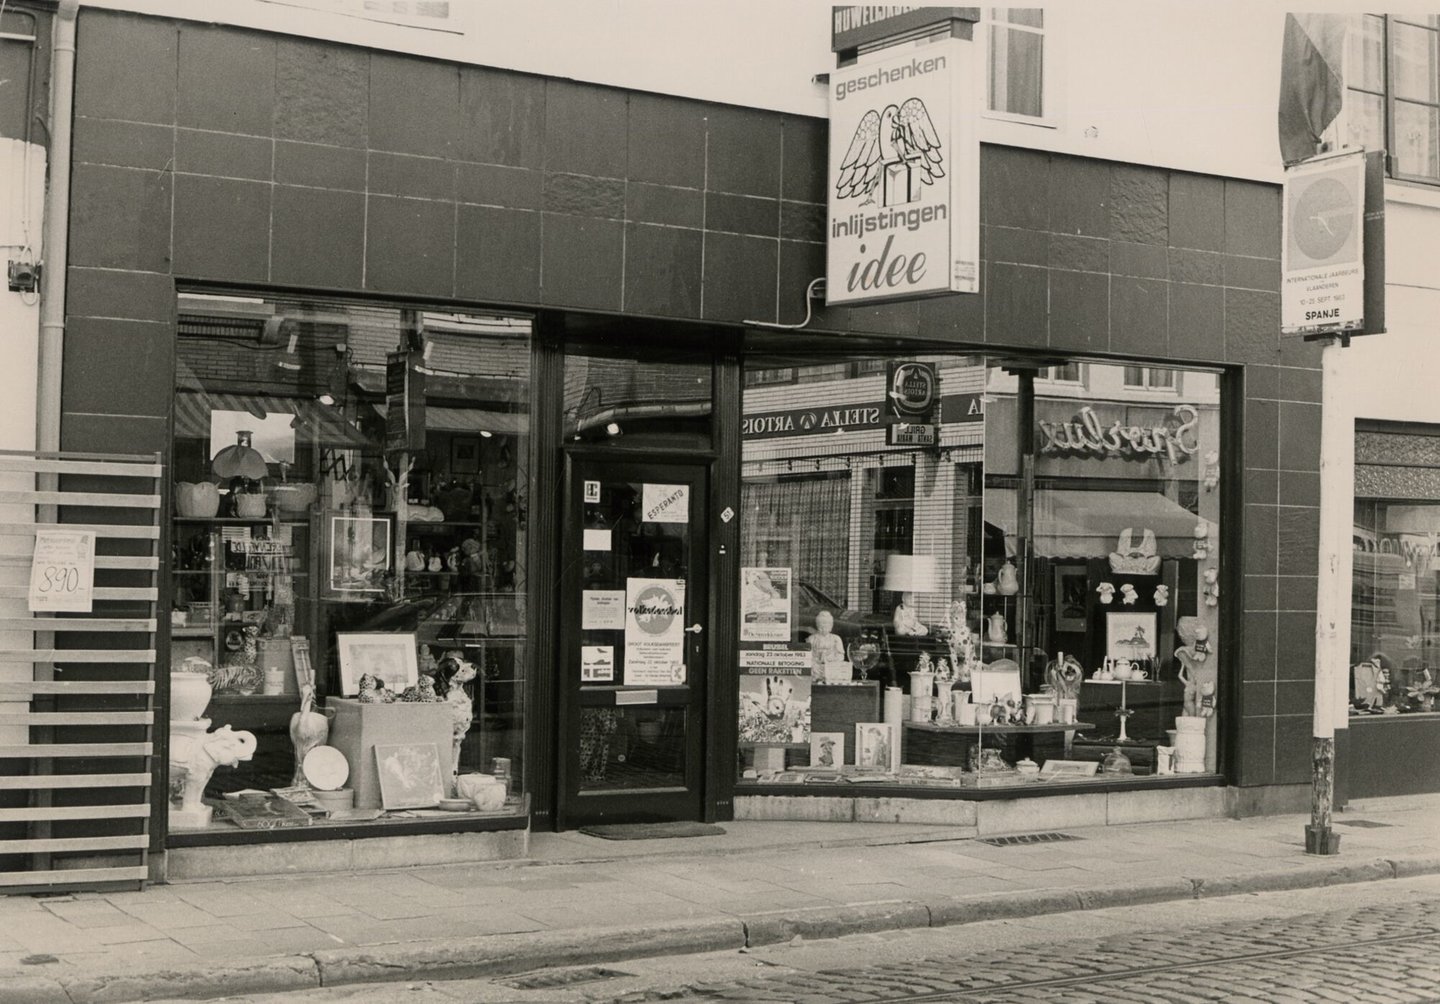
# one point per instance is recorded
(1322, 273)
(765, 604)
(62, 573)
(654, 632)
(904, 177)
(597, 663)
(665, 503)
(602, 610)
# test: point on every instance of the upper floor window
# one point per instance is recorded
(1016, 50)
(1392, 98)
(1149, 378)
(1068, 373)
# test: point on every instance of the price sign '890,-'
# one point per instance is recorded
(62, 574)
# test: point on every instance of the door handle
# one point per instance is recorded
(694, 629)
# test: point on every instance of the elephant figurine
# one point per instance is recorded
(194, 758)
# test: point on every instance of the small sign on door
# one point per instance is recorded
(592, 491)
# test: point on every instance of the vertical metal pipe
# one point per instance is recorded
(57, 227)
(1025, 508)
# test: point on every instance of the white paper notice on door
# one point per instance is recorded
(654, 632)
(764, 604)
(602, 610)
(597, 540)
(597, 663)
(665, 503)
(62, 573)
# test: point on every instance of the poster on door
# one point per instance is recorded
(764, 604)
(654, 632)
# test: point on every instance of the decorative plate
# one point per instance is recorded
(326, 768)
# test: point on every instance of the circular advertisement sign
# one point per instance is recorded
(912, 388)
(655, 610)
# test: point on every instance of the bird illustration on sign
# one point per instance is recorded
(896, 150)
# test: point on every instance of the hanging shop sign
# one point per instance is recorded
(1322, 262)
(912, 434)
(1087, 434)
(404, 402)
(854, 25)
(911, 391)
(903, 177)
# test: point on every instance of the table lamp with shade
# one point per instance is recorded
(244, 466)
(908, 574)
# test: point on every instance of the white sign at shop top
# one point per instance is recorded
(1322, 272)
(904, 172)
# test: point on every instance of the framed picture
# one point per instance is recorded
(359, 555)
(1072, 589)
(1130, 635)
(409, 775)
(827, 749)
(464, 455)
(391, 657)
(1069, 768)
(877, 745)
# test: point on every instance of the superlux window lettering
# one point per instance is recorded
(915, 68)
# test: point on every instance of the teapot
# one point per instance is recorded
(1121, 669)
(1007, 580)
(997, 631)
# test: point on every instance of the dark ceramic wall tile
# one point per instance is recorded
(1252, 273)
(1252, 219)
(676, 207)
(1299, 488)
(1079, 311)
(1078, 254)
(1013, 183)
(1079, 195)
(1299, 436)
(320, 166)
(123, 144)
(742, 214)
(414, 105)
(1258, 548)
(1018, 247)
(1262, 486)
(1139, 204)
(1016, 305)
(744, 148)
(957, 317)
(227, 79)
(223, 155)
(585, 129)
(1145, 261)
(1298, 352)
(1202, 267)
(1197, 322)
(96, 350)
(804, 174)
(322, 93)
(1292, 748)
(495, 185)
(1258, 651)
(740, 277)
(1299, 385)
(1257, 698)
(1197, 212)
(128, 71)
(1262, 382)
(582, 261)
(662, 270)
(1296, 592)
(415, 177)
(222, 228)
(1252, 326)
(318, 238)
(140, 296)
(104, 432)
(898, 318)
(802, 221)
(1294, 645)
(1298, 538)
(120, 218)
(1256, 761)
(584, 195)
(1139, 316)
(498, 255)
(666, 140)
(1261, 592)
(502, 117)
(1262, 434)
(409, 246)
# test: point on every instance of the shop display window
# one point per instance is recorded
(989, 583)
(348, 535)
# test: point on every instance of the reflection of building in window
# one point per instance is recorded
(1150, 377)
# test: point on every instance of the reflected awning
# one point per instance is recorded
(473, 421)
(314, 422)
(1077, 524)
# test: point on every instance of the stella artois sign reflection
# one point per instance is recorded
(904, 177)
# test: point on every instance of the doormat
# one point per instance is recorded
(650, 831)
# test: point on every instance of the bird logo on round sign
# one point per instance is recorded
(655, 610)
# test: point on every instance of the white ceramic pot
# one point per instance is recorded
(293, 498)
(964, 710)
(1189, 745)
(922, 684)
(189, 696)
(251, 505)
(197, 499)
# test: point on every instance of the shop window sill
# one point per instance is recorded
(1026, 789)
(220, 836)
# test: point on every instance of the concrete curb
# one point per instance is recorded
(502, 954)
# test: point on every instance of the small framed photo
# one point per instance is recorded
(1069, 768)
(877, 745)
(359, 556)
(409, 775)
(827, 749)
(391, 657)
(464, 455)
(1130, 635)
(1072, 589)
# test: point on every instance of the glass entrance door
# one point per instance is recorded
(633, 641)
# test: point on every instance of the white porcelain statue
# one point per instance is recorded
(194, 755)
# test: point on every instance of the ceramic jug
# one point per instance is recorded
(1007, 581)
(997, 632)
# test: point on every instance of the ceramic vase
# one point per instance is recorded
(197, 499)
(943, 710)
(189, 696)
(1189, 745)
(1007, 580)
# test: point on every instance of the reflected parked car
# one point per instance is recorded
(849, 624)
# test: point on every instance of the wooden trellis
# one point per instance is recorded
(77, 738)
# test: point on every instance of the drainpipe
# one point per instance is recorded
(57, 227)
